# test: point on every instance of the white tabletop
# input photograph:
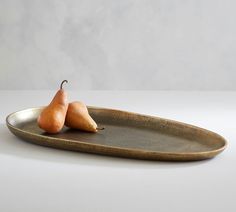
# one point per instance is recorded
(35, 178)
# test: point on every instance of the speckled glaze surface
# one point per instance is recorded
(126, 134)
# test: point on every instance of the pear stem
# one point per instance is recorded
(100, 128)
(63, 83)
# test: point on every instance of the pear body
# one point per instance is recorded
(52, 118)
(78, 117)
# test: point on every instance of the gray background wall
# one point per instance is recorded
(118, 44)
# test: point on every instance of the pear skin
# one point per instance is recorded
(78, 117)
(52, 118)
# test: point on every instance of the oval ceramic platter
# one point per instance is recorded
(126, 134)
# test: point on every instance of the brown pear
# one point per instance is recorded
(52, 117)
(78, 117)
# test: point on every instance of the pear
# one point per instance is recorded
(78, 117)
(52, 117)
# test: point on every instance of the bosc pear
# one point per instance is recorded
(78, 117)
(52, 118)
